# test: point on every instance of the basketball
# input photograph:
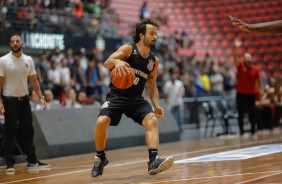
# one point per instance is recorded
(122, 82)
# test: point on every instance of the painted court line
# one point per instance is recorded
(141, 161)
(236, 154)
(213, 177)
(255, 179)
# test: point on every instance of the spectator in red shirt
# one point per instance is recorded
(248, 79)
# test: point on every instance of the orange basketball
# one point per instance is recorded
(122, 82)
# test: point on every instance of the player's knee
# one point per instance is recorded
(102, 123)
(152, 123)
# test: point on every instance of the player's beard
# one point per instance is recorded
(150, 44)
(16, 49)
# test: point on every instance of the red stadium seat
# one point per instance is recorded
(208, 25)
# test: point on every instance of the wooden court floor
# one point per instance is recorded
(130, 165)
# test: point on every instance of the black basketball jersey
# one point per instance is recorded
(142, 68)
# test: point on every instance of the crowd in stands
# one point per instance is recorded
(76, 17)
(74, 79)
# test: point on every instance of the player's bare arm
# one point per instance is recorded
(2, 110)
(116, 60)
(237, 44)
(36, 87)
(267, 27)
(153, 90)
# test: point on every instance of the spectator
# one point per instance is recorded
(51, 103)
(69, 57)
(216, 80)
(42, 71)
(204, 77)
(264, 108)
(174, 92)
(78, 79)
(34, 101)
(81, 98)
(78, 10)
(71, 99)
(55, 80)
(144, 11)
(65, 75)
(278, 105)
(57, 56)
(94, 79)
(83, 60)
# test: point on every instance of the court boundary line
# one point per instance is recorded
(140, 161)
(220, 176)
(254, 179)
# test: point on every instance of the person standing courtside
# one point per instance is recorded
(130, 101)
(16, 69)
(248, 81)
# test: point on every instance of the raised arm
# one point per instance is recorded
(237, 44)
(274, 27)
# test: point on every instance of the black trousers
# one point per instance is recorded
(277, 115)
(264, 117)
(18, 123)
(246, 102)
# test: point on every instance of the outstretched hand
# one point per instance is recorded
(238, 42)
(242, 25)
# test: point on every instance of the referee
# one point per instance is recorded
(15, 69)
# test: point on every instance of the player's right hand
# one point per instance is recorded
(2, 110)
(121, 67)
(242, 25)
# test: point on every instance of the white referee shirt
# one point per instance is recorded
(15, 72)
(175, 92)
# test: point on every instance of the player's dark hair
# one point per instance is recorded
(15, 35)
(141, 28)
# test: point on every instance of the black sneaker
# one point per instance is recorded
(37, 165)
(98, 166)
(10, 168)
(159, 165)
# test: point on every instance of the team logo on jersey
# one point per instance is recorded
(26, 65)
(105, 105)
(150, 65)
(134, 52)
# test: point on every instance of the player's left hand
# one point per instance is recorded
(159, 111)
(43, 103)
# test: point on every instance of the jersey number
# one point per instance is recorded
(136, 81)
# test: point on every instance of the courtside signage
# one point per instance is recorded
(43, 40)
(238, 154)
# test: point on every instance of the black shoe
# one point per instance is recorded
(98, 166)
(10, 168)
(37, 165)
(159, 165)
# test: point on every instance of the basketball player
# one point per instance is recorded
(16, 69)
(130, 101)
(266, 27)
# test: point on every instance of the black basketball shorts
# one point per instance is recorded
(135, 107)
